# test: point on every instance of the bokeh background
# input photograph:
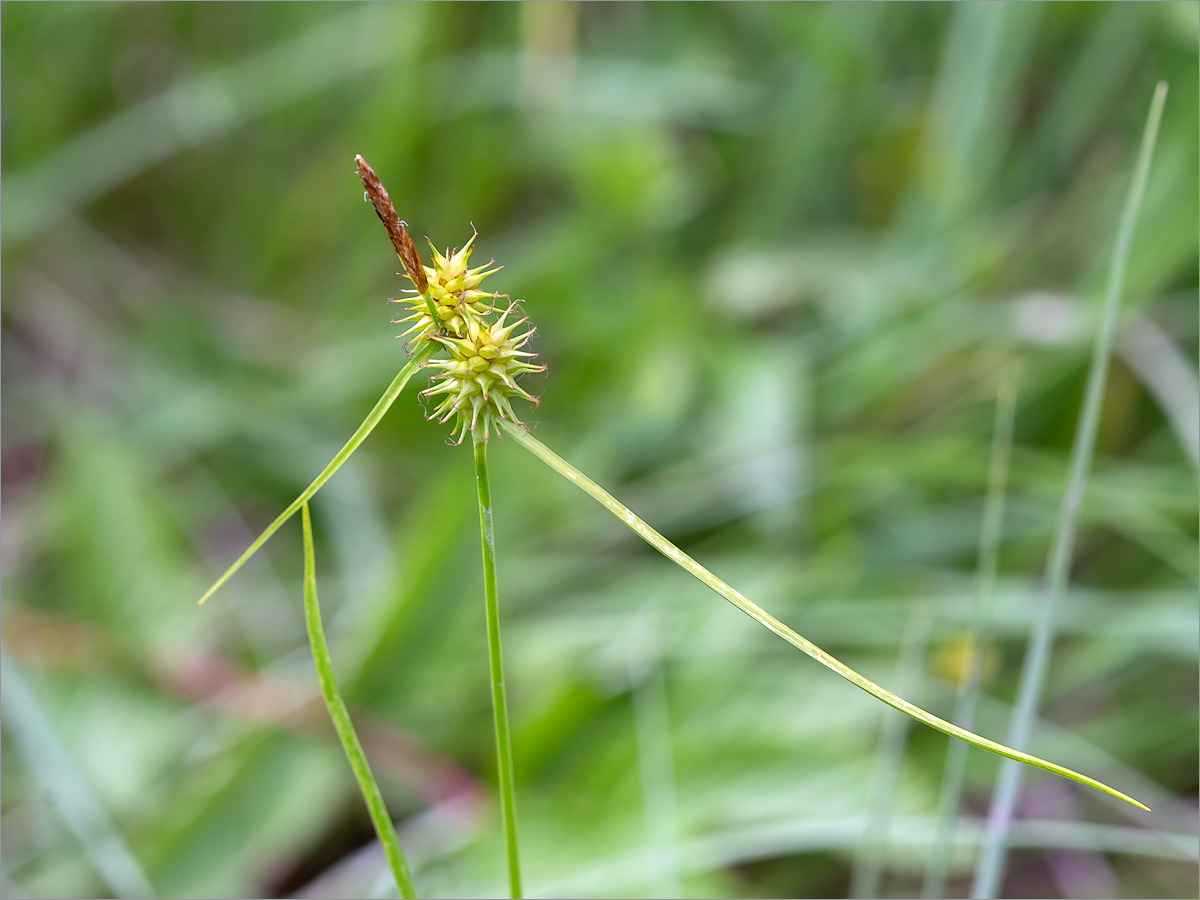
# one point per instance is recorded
(781, 258)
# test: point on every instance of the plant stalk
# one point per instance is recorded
(656, 764)
(65, 789)
(669, 550)
(867, 874)
(384, 826)
(504, 764)
(373, 418)
(955, 766)
(1037, 657)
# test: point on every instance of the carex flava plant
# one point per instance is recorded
(477, 344)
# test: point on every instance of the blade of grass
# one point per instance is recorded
(968, 691)
(384, 826)
(66, 788)
(867, 876)
(1168, 375)
(669, 550)
(1037, 657)
(656, 758)
(504, 764)
(373, 418)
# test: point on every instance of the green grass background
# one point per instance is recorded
(780, 258)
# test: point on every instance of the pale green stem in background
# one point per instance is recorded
(504, 764)
(885, 774)
(384, 827)
(955, 767)
(665, 547)
(377, 413)
(1037, 657)
(66, 790)
(656, 758)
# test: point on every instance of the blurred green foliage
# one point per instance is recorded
(780, 257)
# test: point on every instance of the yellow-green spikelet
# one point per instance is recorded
(453, 288)
(481, 375)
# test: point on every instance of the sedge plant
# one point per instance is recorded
(478, 347)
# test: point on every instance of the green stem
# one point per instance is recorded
(867, 874)
(955, 767)
(669, 550)
(656, 763)
(368, 425)
(504, 764)
(1037, 657)
(341, 721)
(64, 787)
(429, 305)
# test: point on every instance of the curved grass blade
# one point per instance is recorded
(384, 826)
(669, 550)
(1041, 640)
(373, 417)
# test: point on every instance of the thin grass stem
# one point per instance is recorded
(955, 767)
(867, 875)
(373, 418)
(504, 764)
(1037, 657)
(66, 789)
(384, 827)
(669, 550)
(656, 758)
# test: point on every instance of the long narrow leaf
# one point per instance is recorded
(669, 550)
(66, 789)
(373, 418)
(955, 767)
(867, 875)
(384, 827)
(1037, 658)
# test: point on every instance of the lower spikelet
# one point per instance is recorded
(480, 377)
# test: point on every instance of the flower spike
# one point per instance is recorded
(481, 375)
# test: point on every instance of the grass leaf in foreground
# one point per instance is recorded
(669, 550)
(342, 724)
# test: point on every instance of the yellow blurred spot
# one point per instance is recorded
(955, 660)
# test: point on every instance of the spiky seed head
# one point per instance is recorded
(479, 379)
(453, 288)
(446, 306)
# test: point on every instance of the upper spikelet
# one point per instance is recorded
(447, 308)
(454, 291)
